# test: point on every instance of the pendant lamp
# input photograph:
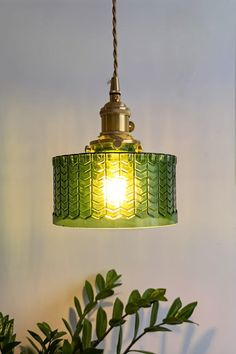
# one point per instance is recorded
(113, 184)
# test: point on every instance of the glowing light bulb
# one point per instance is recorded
(115, 191)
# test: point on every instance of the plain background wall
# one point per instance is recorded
(177, 72)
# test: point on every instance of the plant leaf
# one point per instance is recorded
(117, 309)
(173, 321)
(53, 346)
(119, 342)
(58, 335)
(101, 323)
(37, 338)
(187, 311)
(111, 278)
(100, 282)
(116, 323)
(87, 333)
(79, 327)
(154, 312)
(33, 344)
(136, 325)
(78, 306)
(76, 343)
(45, 328)
(147, 294)
(68, 327)
(88, 308)
(104, 294)
(66, 348)
(114, 285)
(131, 308)
(157, 329)
(93, 351)
(158, 295)
(175, 307)
(134, 297)
(144, 303)
(9, 346)
(141, 351)
(89, 291)
(188, 321)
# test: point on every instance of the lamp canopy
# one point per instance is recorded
(114, 184)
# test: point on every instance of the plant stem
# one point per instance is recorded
(136, 339)
(106, 333)
(133, 342)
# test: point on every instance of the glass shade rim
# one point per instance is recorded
(132, 223)
(159, 154)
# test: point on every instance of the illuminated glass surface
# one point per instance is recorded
(114, 190)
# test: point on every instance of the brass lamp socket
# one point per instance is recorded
(115, 125)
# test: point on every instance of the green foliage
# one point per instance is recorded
(87, 336)
(47, 342)
(7, 337)
(178, 314)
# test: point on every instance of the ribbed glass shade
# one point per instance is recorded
(114, 190)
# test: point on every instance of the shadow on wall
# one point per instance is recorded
(202, 345)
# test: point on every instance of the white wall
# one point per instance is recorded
(177, 71)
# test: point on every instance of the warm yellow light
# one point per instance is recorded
(115, 191)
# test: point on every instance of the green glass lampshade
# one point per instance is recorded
(114, 190)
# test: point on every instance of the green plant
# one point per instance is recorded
(7, 337)
(82, 340)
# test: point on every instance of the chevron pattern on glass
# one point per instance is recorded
(97, 189)
(98, 176)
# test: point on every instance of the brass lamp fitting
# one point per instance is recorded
(116, 127)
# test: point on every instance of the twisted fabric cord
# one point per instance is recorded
(114, 33)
